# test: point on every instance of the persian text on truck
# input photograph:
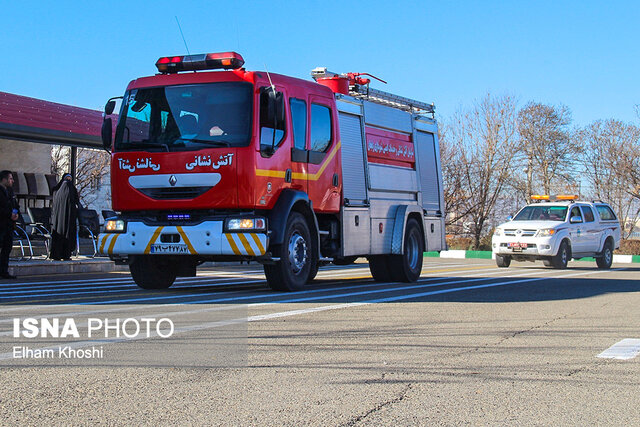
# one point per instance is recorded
(234, 165)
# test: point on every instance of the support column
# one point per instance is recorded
(73, 162)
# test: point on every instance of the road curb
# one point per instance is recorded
(460, 254)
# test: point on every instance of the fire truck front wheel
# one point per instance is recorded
(150, 272)
(296, 262)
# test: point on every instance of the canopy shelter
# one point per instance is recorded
(28, 127)
(34, 120)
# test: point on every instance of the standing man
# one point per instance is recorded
(8, 218)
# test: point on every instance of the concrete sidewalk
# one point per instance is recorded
(43, 266)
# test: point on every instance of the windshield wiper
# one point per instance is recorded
(145, 144)
(208, 142)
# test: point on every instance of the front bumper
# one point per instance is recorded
(536, 246)
(206, 238)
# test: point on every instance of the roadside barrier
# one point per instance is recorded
(460, 254)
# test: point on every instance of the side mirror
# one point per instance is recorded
(275, 111)
(575, 220)
(107, 132)
(509, 218)
(109, 107)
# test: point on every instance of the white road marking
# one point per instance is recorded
(626, 349)
(262, 317)
(272, 294)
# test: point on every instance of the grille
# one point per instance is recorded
(172, 193)
(525, 233)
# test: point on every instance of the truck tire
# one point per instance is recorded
(408, 266)
(151, 272)
(293, 270)
(606, 259)
(314, 272)
(561, 259)
(348, 260)
(503, 261)
(379, 267)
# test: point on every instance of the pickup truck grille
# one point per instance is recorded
(174, 193)
(525, 233)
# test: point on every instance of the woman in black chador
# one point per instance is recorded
(64, 214)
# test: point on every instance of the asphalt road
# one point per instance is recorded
(468, 344)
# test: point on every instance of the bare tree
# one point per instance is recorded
(611, 160)
(547, 151)
(59, 160)
(91, 172)
(486, 139)
(450, 159)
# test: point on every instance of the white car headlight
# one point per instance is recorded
(497, 232)
(545, 232)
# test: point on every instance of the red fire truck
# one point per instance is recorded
(211, 162)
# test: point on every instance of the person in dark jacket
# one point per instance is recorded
(64, 214)
(8, 217)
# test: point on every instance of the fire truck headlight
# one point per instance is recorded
(242, 224)
(114, 226)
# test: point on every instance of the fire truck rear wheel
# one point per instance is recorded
(151, 272)
(293, 270)
(379, 267)
(408, 266)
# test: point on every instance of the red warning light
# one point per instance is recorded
(206, 61)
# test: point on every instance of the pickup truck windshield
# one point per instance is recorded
(185, 118)
(542, 213)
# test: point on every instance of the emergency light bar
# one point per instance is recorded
(554, 198)
(204, 61)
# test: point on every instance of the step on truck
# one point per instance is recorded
(211, 162)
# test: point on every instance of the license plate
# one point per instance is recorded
(169, 249)
(517, 247)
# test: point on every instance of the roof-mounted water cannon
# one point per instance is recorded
(204, 61)
(353, 84)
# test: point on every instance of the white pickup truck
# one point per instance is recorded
(556, 232)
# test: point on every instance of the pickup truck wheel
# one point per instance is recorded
(152, 272)
(408, 266)
(379, 268)
(561, 259)
(293, 270)
(503, 261)
(604, 262)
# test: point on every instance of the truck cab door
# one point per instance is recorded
(577, 232)
(299, 153)
(323, 168)
(593, 230)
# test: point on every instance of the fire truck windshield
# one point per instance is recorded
(185, 118)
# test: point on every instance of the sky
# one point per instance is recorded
(582, 54)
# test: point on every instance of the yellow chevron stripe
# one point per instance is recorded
(246, 244)
(233, 245)
(299, 175)
(104, 240)
(153, 239)
(113, 243)
(258, 243)
(186, 240)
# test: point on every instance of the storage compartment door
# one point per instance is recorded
(428, 167)
(353, 162)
